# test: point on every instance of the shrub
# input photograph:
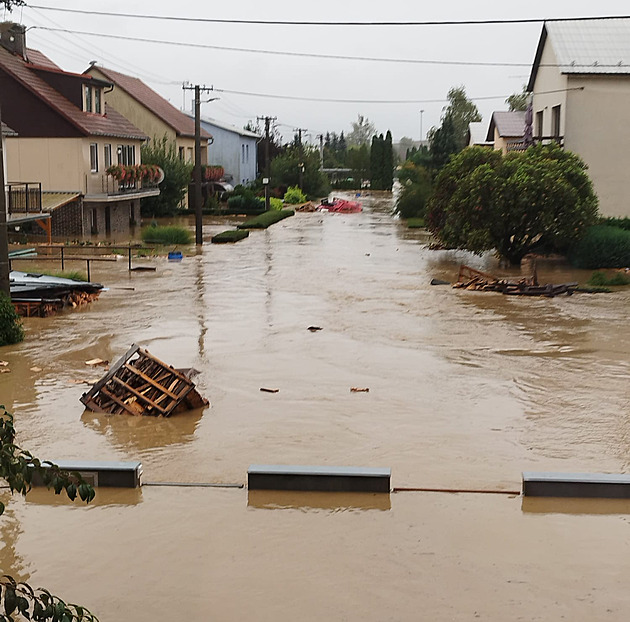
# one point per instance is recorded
(602, 247)
(246, 204)
(275, 203)
(294, 196)
(416, 223)
(266, 219)
(11, 330)
(601, 279)
(166, 235)
(232, 235)
(621, 223)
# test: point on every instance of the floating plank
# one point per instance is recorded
(102, 473)
(591, 485)
(322, 478)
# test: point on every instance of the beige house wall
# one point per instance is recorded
(549, 91)
(63, 164)
(598, 129)
(4, 162)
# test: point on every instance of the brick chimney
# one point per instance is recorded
(13, 38)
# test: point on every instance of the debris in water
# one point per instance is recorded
(471, 279)
(359, 390)
(94, 362)
(269, 390)
(36, 369)
(141, 384)
(439, 282)
(314, 329)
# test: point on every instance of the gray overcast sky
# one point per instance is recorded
(165, 67)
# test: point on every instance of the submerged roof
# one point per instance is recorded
(508, 124)
(594, 46)
(26, 73)
(145, 95)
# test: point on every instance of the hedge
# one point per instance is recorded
(166, 235)
(232, 235)
(602, 247)
(266, 219)
(243, 204)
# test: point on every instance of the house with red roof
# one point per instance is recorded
(66, 137)
(149, 111)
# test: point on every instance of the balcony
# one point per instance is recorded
(24, 198)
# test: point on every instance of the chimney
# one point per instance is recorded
(13, 38)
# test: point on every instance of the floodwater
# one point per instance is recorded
(466, 391)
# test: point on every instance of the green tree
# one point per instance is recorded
(388, 162)
(376, 162)
(443, 144)
(362, 132)
(462, 112)
(416, 189)
(11, 330)
(513, 204)
(518, 101)
(18, 600)
(285, 170)
(176, 177)
(359, 163)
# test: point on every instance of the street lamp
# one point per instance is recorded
(421, 113)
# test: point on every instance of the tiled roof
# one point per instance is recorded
(477, 133)
(593, 46)
(112, 124)
(510, 124)
(37, 58)
(179, 121)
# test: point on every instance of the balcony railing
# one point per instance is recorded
(24, 197)
(106, 184)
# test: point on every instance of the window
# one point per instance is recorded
(242, 153)
(247, 153)
(189, 157)
(97, 101)
(539, 123)
(555, 121)
(94, 157)
(107, 152)
(87, 90)
(181, 153)
(126, 154)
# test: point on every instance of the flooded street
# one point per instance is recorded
(466, 390)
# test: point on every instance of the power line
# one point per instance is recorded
(413, 61)
(260, 22)
(378, 101)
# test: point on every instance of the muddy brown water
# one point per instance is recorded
(467, 390)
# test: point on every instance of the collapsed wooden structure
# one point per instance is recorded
(471, 279)
(141, 384)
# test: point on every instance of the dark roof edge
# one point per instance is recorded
(537, 58)
(490, 134)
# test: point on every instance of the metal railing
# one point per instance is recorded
(24, 197)
(106, 184)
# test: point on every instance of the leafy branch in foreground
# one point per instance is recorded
(18, 467)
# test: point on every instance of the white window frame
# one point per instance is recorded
(93, 157)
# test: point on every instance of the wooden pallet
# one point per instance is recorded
(141, 384)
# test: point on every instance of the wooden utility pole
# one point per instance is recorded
(4, 233)
(197, 170)
(299, 130)
(267, 176)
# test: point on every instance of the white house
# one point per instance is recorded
(234, 149)
(580, 82)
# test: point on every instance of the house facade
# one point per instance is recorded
(233, 148)
(506, 130)
(580, 82)
(66, 138)
(150, 112)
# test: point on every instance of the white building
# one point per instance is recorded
(234, 149)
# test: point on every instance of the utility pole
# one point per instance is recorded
(5, 287)
(299, 130)
(267, 121)
(197, 170)
(321, 150)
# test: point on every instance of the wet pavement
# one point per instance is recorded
(467, 390)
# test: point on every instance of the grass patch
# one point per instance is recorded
(166, 235)
(593, 290)
(601, 279)
(266, 219)
(232, 235)
(416, 223)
